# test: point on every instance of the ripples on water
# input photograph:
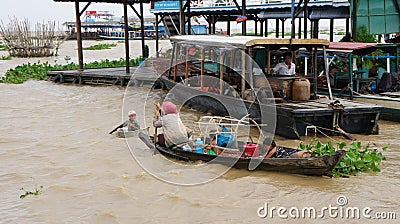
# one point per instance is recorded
(57, 136)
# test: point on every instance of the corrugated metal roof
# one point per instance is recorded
(283, 14)
(245, 41)
(350, 45)
(260, 7)
(330, 13)
(107, 1)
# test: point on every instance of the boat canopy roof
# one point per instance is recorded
(248, 41)
(361, 48)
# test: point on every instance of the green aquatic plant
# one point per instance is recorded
(67, 59)
(100, 47)
(2, 47)
(358, 158)
(36, 191)
(8, 57)
(38, 71)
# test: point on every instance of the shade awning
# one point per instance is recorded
(329, 13)
(284, 14)
(350, 46)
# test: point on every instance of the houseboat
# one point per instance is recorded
(232, 76)
(372, 66)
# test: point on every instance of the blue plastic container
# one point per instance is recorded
(199, 145)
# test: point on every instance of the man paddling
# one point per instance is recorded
(131, 123)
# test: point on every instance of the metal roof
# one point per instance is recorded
(350, 45)
(108, 1)
(330, 13)
(246, 41)
(282, 14)
(362, 48)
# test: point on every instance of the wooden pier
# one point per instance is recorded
(105, 76)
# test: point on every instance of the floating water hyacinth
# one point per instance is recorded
(358, 158)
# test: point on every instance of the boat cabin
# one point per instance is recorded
(233, 76)
(244, 64)
(359, 64)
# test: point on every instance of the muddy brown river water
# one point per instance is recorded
(57, 136)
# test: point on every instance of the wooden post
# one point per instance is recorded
(221, 73)
(189, 31)
(243, 72)
(397, 59)
(126, 27)
(299, 29)
(213, 24)
(187, 67)
(354, 18)
(305, 21)
(277, 28)
(328, 82)
(283, 28)
(181, 19)
(255, 27)
(331, 31)
(79, 35)
(250, 70)
(266, 27)
(176, 61)
(268, 61)
(262, 28)
(347, 26)
(202, 67)
(244, 14)
(228, 25)
(157, 44)
(316, 28)
(351, 75)
(142, 28)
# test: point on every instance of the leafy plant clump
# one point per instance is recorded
(2, 47)
(364, 36)
(36, 191)
(8, 57)
(358, 158)
(38, 71)
(100, 47)
(146, 51)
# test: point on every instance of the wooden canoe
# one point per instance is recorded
(316, 166)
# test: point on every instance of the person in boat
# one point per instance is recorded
(131, 123)
(271, 150)
(175, 132)
(287, 67)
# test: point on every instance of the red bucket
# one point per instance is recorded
(251, 149)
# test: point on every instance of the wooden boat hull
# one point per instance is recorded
(290, 120)
(391, 110)
(124, 133)
(390, 101)
(316, 166)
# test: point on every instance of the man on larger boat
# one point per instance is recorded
(287, 67)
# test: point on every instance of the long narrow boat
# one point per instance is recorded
(205, 70)
(316, 166)
(124, 133)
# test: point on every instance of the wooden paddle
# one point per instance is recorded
(115, 129)
(156, 117)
